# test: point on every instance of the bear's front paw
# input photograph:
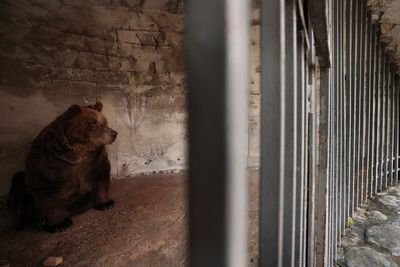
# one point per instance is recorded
(105, 206)
(60, 227)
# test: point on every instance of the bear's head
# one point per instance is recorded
(87, 125)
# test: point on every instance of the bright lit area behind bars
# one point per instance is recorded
(199, 133)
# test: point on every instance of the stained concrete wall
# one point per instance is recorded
(126, 53)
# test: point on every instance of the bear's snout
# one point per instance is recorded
(114, 135)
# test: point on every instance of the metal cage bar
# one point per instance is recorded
(290, 133)
(217, 57)
(272, 139)
(368, 126)
(329, 127)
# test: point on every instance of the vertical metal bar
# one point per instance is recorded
(300, 161)
(218, 79)
(272, 132)
(333, 136)
(392, 132)
(337, 182)
(395, 128)
(307, 164)
(368, 117)
(381, 115)
(355, 100)
(363, 104)
(328, 225)
(387, 123)
(377, 109)
(290, 133)
(336, 114)
(342, 120)
(312, 156)
(373, 79)
(237, 13)
(383, 123)
(352, 107)
(322, 175)
(360, 103)
(355, 96)
(348, 95)
(396, 88)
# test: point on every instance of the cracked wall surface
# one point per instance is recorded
(128, 54)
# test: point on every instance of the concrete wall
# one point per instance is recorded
(128, 54)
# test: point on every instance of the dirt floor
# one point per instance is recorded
(146, 227)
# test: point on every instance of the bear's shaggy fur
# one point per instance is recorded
(65, 168)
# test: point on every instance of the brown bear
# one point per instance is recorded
(66, 166)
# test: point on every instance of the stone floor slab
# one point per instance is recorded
(367, 257)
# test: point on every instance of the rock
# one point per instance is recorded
(340, 261)
(350, 241)
(395, 191)
(391, 202)
(53, 261)
(360, 217)
(353, 236)
(386, 236)
(384, 193)
(376, 217)
(394, 220)
(367, 257)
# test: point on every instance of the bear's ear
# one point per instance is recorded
(97, 106)
(72, 111)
